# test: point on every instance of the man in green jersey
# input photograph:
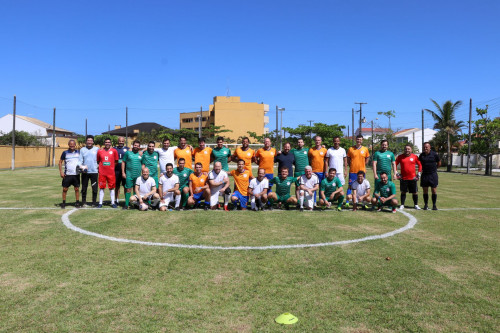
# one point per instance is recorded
(221, 154)
(131, 169)
(150, 160)
(383, 161)
(183, 174)
(330, 190)
(282, 194)
(385, 193)
(301, 158)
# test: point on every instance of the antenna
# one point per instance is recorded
(227, 87)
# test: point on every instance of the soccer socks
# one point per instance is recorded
(127, 198)
(226, 199)
(112, 194)
(434, 198)
(177, 201)
(415, 199)
(101, 196)
(341, 201)
(252, 201)
(403, 198)
(184, 198)
(426, 199)
(301, 201)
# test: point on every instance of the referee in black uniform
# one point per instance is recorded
(430, 162)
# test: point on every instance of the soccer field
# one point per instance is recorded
(441, 275)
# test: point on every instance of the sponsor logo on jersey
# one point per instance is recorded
(288, 183)
(185, 175)
(154, 157)
(272, 153)
(305, 152)
(362, 152)
(205, 152)
(245, 175)
(202, 180)
(411, 159)
(225, 153)
(321, 153)
(187, 151)
(388, 156)
(248, 154)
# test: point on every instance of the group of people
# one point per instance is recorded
(164, 178)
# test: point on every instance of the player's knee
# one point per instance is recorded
(177, 192)
(349, 197)
(233, 199)
(301, 193)
(65, 189)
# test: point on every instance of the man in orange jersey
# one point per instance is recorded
(245, 153)
(357, 157)
(317, 156)
(202, 154)
(184, 151)
(241, 181)
(264, 157)
(198, 187)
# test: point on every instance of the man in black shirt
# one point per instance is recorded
(285, 159)
(430, 162)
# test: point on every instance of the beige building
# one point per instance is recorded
(232, 114)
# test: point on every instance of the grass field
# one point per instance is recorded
(443, 275)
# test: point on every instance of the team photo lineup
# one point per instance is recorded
(182, 177)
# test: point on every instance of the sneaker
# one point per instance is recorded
(77, 205)
(255, 209)
(339, 209)
(63, 206)
(225, 208)
(434, 208)
(114, 206)
(402, 207)
(426, 207)
(346, 205)
(99, 206)
(301, 209)
(416, 207)
(379, 209)
(124, 207)
(205, 207)
(235, 207)
(177, 209)
(394, 210)
(269, 208)
(365, 207)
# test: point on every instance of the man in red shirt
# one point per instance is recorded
(107, 157)
(408, 176)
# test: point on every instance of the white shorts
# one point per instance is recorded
(168, 197)
(340, 176)
(308, 199)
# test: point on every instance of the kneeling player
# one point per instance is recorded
(145, 190)
(360, 191)
(242, 178)
(168, 188)
(218, 181)
(198, 187)
(309, 184)
(331, 190)
(385, 193)
(257, 190)
(282, 193)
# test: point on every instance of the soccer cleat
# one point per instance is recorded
(205, 207)
(346, 205)
(339, 209)
(226, 208)
(235, 207)
(365, 207)
(402, 207)
(301, 209)
(99, 206)
(177, 209)
(269, 208)
(434, 208)
(63, 206)
(426, 207)
(114, 206)
(125, 208)
(255, 209)
(394, 210)
(416, 207)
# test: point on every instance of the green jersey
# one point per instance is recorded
(385, 190)
(133, 164)
(150, 160)
(301, 159)
(330, 186)
(282, 185)
(221, 155)
(384, 161)
(183, 176)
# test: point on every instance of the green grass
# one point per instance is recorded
(444, 275)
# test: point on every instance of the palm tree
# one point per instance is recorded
(445, 121)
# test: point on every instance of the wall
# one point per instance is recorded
(28, 156)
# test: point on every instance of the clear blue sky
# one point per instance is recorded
(159, 58)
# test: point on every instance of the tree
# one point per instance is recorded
(212, 132)
(389, 114)
(22, 139)
(396, 145)
(445, 122)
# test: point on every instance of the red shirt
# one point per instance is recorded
(408, 164)
(107, 160)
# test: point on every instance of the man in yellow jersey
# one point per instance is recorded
(241, 182)
(245, 153)
(202, 154)
(317, 156)
(184, 151)
(264, 157)
(198, 188)
(357, 157)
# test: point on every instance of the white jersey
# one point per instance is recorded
(217, 178)
(360, 188)
(166, 156)
(336, 159)
(145, 185)
(311, 182)
(168, 183)
(258, 186)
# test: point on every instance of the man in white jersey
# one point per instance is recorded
(336, 158)
(360, 191)
(218, 181)
(309, 184)
(166, 154)
(257, 190)
(169, 188)
(145, 190)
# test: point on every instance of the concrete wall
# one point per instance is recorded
(28, 156)
(476, 161)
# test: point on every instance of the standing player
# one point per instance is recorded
(202, 155)
(317, 160)
(169, 188)
(183, 173)
(184, 151)
(385, 194)
(336, 158)
(408, 178)
(330, 190)
(257, 190)
(221, 154)
(245, 153)
(264, 157)
(301, 159)
(121, 149)
(88, 162)
(150, 160)
(360, 191)
(241, 181)
(383, 161)
(309, 184)
(70, 176)
(285, 159)
(145, 190)
(283, 185)
(218, 181)
(198, 187)
(131, 169)
(166, 154)
(430, 162)
(107, 157)
(357, 157)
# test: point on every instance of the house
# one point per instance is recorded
(133, 131)
(414, 135)
(366, 132)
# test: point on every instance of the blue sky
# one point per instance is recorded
(90, 59)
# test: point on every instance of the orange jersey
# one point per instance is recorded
(203, 156)
(245, 155)
(358, 158)
(317, 159)
(266, 159)
(241, 181)
(198, 182)
(185, 154)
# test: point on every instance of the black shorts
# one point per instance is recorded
(408, 186)
(429, 180)
(71, 180)
(120, 181)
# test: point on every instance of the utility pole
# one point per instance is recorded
(276, 143)
(310, 125)
(13, 163)
(352, 137)
(199, 124)
(126, 126)
(54, 139)
(281, 128)
(372, 138)
(423, 136)
(470, 138)
(86, 128)
(360, 115)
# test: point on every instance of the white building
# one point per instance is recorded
(414, 135)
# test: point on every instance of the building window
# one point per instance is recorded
(187, 120)
(403, 139)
